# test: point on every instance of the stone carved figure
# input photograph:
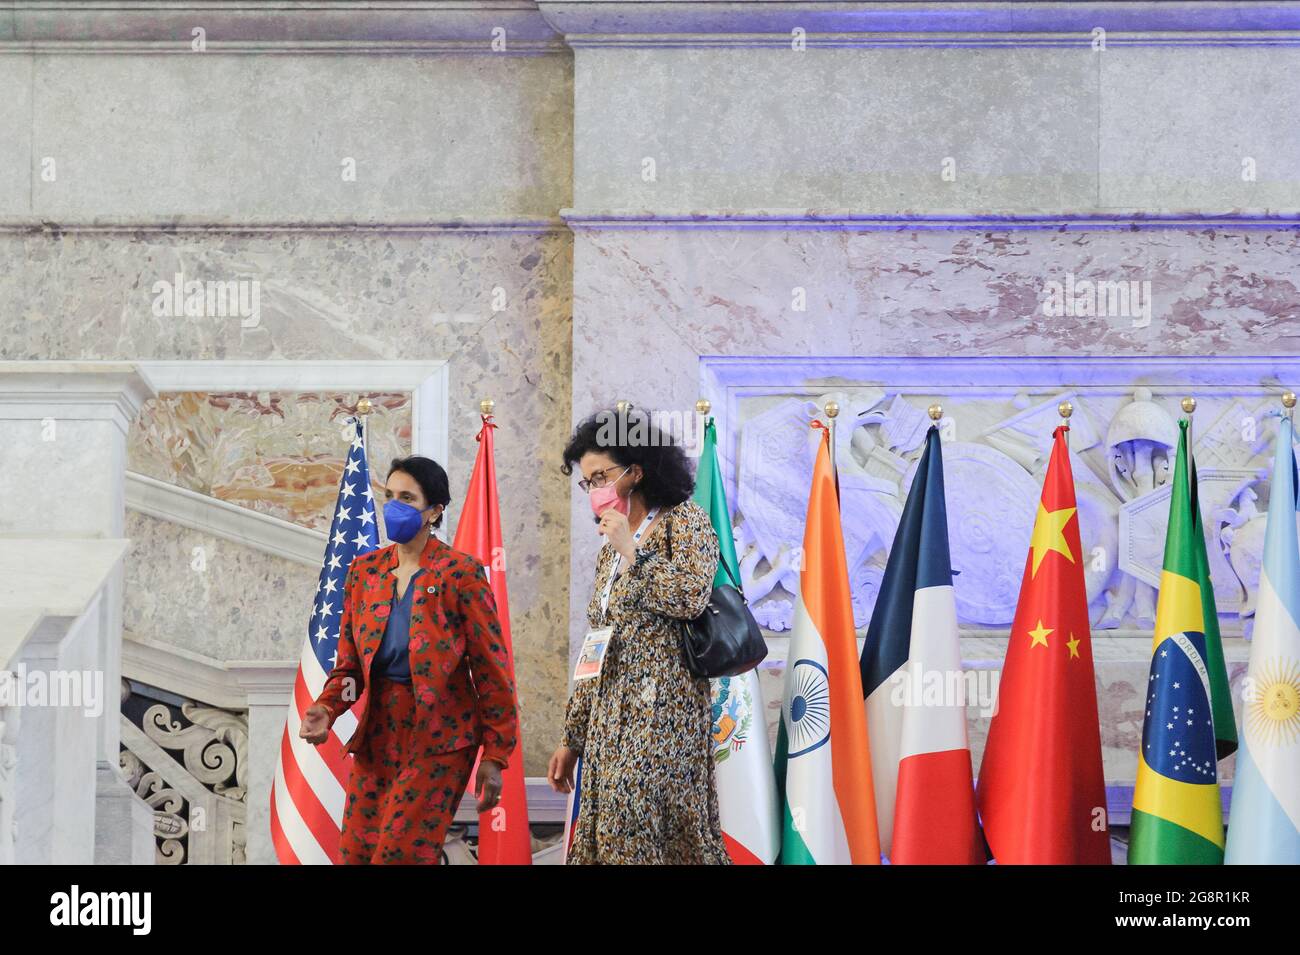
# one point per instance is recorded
(1140, 447)
(774, 472)
(1122, 455)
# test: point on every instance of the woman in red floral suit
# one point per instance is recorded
(420, 638)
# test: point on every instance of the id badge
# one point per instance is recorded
(592, 653)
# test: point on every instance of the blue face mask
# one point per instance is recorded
(401, 521)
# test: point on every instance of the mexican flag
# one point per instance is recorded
(746, 782)
(1177, 809)
(823, 759)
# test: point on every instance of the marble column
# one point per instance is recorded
(64, 425)
(269, 687)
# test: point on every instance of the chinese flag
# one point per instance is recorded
(503, 832)
(1041, 792)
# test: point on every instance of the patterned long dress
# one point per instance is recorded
(643, 726)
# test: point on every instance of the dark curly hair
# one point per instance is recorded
(633, 439)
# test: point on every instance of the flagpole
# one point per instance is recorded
(1189, 406)
(364, 408)
(486, 407)
(1288, 402)
(832, 410)
(702, 408)
(935, 412)
(1065, 409)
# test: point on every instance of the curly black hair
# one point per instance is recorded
(632, 438)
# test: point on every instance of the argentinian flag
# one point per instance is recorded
(1264, 826)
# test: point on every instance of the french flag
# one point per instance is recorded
(914, 687)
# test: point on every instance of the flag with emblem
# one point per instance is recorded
(310, 781)
(747, 800)
(1177, 812)
(914, 689)
(503, 834)
(1042, 791)
(1264, 827)
(823, 760)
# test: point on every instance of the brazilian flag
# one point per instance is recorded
(1225, 724)
(1188, 726)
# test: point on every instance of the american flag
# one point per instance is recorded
(310, 781)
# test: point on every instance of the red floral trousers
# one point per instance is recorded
(401, 797)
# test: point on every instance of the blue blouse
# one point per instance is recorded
(392, 661)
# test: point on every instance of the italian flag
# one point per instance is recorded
(747, 800)
(823, 759)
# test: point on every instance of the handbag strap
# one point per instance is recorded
(734, 582)
(668, 539)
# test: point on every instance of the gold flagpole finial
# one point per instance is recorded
(832, 411)
(935, 411)
(365, 406)
(1288, 400)
(1065, 409)
(1188, 405)
(623, 406)
(703, 406)
(485, 406)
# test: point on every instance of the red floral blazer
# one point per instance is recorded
(460, 676)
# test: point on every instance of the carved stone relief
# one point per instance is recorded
(996, 449)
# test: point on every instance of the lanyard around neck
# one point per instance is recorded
(636, 538)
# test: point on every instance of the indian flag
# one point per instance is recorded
(747, 800)
(1264, 828)
(1177, 809)
(823, 761)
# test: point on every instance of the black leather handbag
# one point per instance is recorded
(725, 640)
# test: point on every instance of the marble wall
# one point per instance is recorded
(620, 198)
(339, 296)
(390, 202)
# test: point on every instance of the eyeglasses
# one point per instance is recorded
(597, 479)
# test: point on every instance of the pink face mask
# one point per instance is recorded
(603, 498)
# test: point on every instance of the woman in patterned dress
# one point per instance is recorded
(642, 725)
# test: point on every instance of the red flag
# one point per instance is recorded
(1042, 793)
(503, 832)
